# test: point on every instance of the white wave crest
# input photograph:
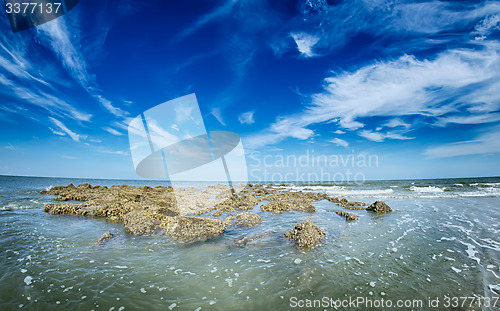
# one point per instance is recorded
(427, 189)
(486, 184)
(359, 192)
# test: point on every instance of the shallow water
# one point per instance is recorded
(434, 244)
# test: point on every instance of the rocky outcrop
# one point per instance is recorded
(146, 210)
(106, 236)
(306, 234)
(379, 207)
(244, 241)
(333, 200)
(348, 216)
(354, 205)
(243, 220)
(60, 209)
(191, 229)
(279, 207)
(141, 223)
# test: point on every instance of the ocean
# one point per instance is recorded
(439, 249)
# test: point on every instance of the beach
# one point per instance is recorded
(439, 242)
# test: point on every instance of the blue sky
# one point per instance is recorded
(415, 83)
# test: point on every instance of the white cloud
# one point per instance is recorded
(246, 117)
(487, 143)
(10, 147)
(109, 106)
(159, 136)
(339, 132)
(380, 137)
(51, 103)
(112, 131)
(396, 122)
(14, 61)
(336, 24)
(56, 33)
(60, 37)
(488, 25)
(373, 136)
(340, 142)
(438, 88)
(289, 129)
(66, 130)
(57, 132)
(220, 11)
(305, 43)
(64, 156)
(117, 152)
(29, 80)
(216, 112)
(469, 119)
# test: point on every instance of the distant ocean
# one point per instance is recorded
(442, 241)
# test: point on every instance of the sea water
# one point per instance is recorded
(442, 241)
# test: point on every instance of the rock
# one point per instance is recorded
(106, 236)
(139, 222)
(192, 229)
(306, 234)
(223, 209)
(379, 207)
(348, 216)
(243, 220)
(280, 206)
(60, 209)
(244, 241)
(354, 205)
(333, 200)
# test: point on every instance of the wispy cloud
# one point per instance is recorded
(396, 122)
(60, 38)
(305, 43)
(438, 88)
(109, 107)
(10, 147)
(29, 81)
(57, 132)
(216, 112)
(117, 152)
(219, 12)
(57, 35)
(64, 156)
(469, 119)
(64, 129)
(339, 142)
(51, 103)
(335, 24)
(246, 117)
(487, 26)
(380, 137)
(13, 60)
(487, 143)
(112, 131)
